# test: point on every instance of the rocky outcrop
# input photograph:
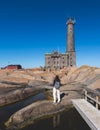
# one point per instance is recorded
(73, 81)
(85, 74)
(42, 109)
(33, 112)
(89, 76)
(19, 92)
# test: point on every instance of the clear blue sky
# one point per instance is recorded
(31, 28)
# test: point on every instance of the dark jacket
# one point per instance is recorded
(56, 79)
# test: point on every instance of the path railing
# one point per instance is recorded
(92, 96)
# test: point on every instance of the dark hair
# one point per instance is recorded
(56, 79)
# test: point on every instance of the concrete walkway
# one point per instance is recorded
(89, 113)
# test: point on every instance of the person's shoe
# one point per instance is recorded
(58, 101)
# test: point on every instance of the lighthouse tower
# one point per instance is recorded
(70, 43)
(57, 60)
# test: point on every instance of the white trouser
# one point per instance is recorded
(56, 95)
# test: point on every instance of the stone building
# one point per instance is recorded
(57, 60)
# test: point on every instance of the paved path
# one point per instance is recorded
(89, 113)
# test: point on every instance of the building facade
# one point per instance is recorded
(57, 60)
